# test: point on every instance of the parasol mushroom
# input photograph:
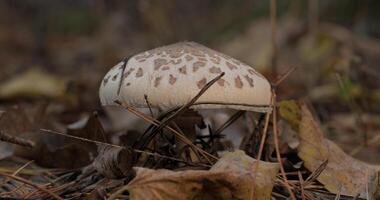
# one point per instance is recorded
(170, 76)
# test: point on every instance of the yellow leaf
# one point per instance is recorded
(290, 111)
(33, 83)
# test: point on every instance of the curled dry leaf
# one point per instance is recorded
(114, 162)
(343, 174)
(232, 177)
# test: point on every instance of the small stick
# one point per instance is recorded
(284, 76)
(273, 20)
(230, 121)
(262, 142)
(301, 185)
(275, 138)
(31, 184)
(117, 146)
(16, 140)
(149, 105)
(122, 75)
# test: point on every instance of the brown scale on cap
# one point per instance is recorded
(159, 62)
(197, 53)
(176, 62)
(215, 70)
(202, 59)
(164, 68)
(157, 81)
(221, 82)
(115, 77)
(215, 60)
(249, 79)
(176, 53)
(139, 73)
(127, 73)
(253, 72)
(188, 57)
(201, 83)
(197, 65)
(235, 61)
(105, 80)
(238, 82)
(231, 66)
(182, 69)
(172, 79)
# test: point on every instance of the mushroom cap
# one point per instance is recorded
(170, 76)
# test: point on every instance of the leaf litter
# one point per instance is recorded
(81, 155)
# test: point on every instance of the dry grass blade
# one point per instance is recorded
(273, 21)
(284, 76)
(15, 140)
(31, 184)
(122, 74)
(230, 121)
(313, 176)
(148, 104)
(301, 185)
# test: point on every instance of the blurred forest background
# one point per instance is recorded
(58, 51)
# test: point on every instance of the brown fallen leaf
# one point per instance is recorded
(232, 177)
(343, 174)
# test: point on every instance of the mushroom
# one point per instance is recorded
(170, 76)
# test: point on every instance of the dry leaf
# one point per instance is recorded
(232, 177)
(33, 83)
(240, 164)
(343, 174)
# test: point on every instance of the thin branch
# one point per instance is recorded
(117, 146)
(273, 20)
(275, 138)
(16, 140)
(230, 121)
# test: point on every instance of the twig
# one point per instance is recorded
(122, 75)
(275, 138)
(149, 105)
(117, 146)
(313, 17)
(284, 76)
(31, 184)
(301, 185)
(369, 143)
(230, 121)
(261, 149)
(273, 20)
(16, 140)
(315, 174)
